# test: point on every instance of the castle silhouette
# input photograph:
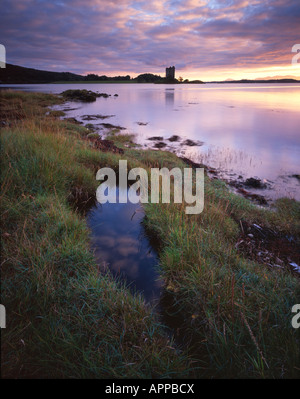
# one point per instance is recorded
(170, 72)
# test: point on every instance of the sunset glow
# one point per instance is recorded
(208, 40)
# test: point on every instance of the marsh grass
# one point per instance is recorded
(65, 319)
(123, 140)
(235, 314)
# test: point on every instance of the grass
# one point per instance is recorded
(236, 314)
(65, 319)
(57, 114)
(121, 140)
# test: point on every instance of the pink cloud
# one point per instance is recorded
(144, 36)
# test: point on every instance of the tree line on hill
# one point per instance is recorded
(20, 75)
(17, 75)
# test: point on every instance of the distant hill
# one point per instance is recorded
(17, 75)
(149, 78)
(258, 81)
(279, 77)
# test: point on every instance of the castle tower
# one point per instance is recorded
(170, 73)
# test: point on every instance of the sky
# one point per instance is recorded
(207, 40)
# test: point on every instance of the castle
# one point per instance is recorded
(170, 73)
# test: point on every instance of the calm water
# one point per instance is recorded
(248, 130)
(121, 243)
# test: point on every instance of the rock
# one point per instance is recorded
(69, 109)
(161, 144)
(234, 183)
(295, 267)
(255, 183)
(110, 126)
(95, 117)
(257, 226)
(154, 138)
(192, 143)
(174, 138)
(296, 176)
(82, 95)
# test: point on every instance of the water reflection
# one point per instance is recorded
(169, 96)
(120, 241)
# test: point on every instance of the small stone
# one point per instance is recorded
(255, 183)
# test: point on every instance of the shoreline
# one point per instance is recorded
(239, 185)
(209, 262)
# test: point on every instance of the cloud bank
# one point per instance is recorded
(136, 36)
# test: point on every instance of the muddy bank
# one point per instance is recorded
(104, 145)
(269, 247)
(237, 185)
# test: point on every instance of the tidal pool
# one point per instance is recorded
(121, 243)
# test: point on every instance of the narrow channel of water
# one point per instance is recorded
(120, 242)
